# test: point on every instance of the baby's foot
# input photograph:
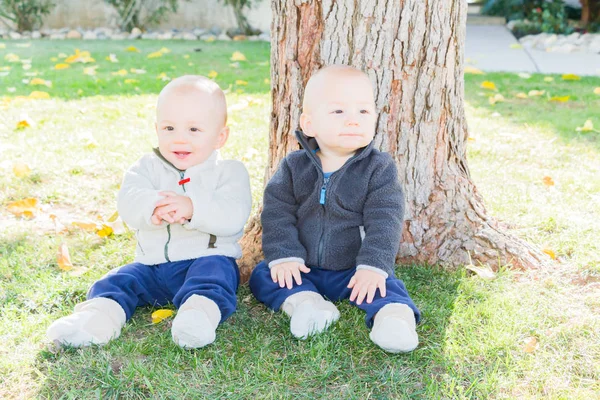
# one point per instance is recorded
(310, 313)
(95, 321)
(394, 329)
(196, 322)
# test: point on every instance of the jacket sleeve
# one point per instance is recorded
(224, 210)
(383, 216)
(138, 195)
(280, 233)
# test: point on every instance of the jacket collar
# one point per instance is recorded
(310, 145)
(210, 162)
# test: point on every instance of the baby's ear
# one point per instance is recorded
(305, 124)
(223, 136)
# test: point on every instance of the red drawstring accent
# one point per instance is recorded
(184, 181)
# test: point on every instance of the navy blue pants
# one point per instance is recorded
(135, 285)
(330, 284)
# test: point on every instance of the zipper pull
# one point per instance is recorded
(323, 190)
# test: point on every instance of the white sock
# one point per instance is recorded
(196, 322)
(310, 313)
(394, 328)
(94, 321)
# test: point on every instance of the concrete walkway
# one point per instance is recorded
(488, 48)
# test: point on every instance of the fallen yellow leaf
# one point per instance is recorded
(238, 56)
(213, 74)
(104, 231)
(571, 77)
(536, 93)
(21, 169)
(549, 79)
(186, 56)
(131, 81)
(132, 49)
(80, 56)
(37, 95)
(473, 70)
(137, 71)
(267, 81)
(560, 99)
(548, 181)
(597, 91)
(516, 46)
(164, 50)
(86, 226)
(241, 82)
(159, 315)
(61, 66)
(521, 95)
(112, 58)
(488, 85)
(53, 59)
(26, 207)
(63, 258)
(588, 126)
(121, 72)
(25, 122)
(10, 57)
(113, 217)
(530, 345)
(40, 81)
(483, 271)
(156, 54)
(163, 76)
(551, 253)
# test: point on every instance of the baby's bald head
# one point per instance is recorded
(201, 90)
(335, 78)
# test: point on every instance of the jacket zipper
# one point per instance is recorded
(181, 176)
(322, 199)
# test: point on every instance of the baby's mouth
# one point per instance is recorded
(181, 154)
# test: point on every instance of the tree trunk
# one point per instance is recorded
(413, 52)
(585, 12)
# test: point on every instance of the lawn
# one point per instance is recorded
(524, 334)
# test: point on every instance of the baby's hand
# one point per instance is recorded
(159, 215)
(286, 273)
(365, 283)
(174, 208)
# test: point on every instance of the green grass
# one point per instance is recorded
(473, 332)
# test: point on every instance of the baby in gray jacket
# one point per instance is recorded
(332, 219)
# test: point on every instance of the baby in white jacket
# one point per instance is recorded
(188, 209)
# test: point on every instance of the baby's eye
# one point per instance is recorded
(364, 111)
(169, 128)
(337, 112)
(194, 129)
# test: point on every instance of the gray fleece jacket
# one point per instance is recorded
(351, 219)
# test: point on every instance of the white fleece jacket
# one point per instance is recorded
(220, 194)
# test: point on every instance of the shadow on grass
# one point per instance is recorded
(255, 356)
(562, 118)
(132, 72)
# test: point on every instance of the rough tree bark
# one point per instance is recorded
(413, 52)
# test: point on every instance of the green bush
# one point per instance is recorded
(26, 14)
(511, 9)
(521, 29)
(142, 14)
(552, 17)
